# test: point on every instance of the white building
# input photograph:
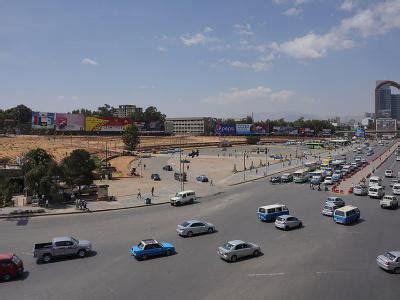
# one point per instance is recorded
(125, 111)
(193, 126)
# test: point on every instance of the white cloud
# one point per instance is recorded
(161, 49)
(260, 94)
(208, 29)
(88, 61)
(260, 65)
(293, 11)
(347, 5)
(199, 38)
(294, 2)
(243, 29)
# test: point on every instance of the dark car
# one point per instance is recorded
(167, 168)
(180, 177)
(11, 266)
(202, 178)
(185, 161)
(155, 177)
(275, 179)
(287, 177)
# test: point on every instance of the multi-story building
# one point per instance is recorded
(387, 105)
(192, 126)
(125, 111)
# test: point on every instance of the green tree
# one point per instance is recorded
(105, 111)
(152, 114)
(253, 139)
(130, 137)
(138, 116)
(77, 168)
(6, 191)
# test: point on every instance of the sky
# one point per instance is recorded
(218, 58)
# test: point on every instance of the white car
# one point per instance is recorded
(397, 158)
(388, 173)
(328, 180)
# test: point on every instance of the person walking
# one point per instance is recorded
(47, 203)
(211, 182)
(152, 191)
(139, 194)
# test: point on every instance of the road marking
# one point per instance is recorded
(266, 274)
(328, 272)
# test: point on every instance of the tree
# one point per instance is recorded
(77, 168)
(152, 114)
(137, 116)
(130, 137)
(253, 139)
(6, 191)
(39, 169)
(105, 111)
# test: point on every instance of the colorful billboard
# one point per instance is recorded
(109, 124)
(225, 129)
(70, 122)
(250, 129)
(360, 133)
(42, 120)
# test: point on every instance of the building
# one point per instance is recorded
(192, 126)
(367, 122)
(387, 105)
(125, 111)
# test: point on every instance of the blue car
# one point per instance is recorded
(202, 178)
(150, 247)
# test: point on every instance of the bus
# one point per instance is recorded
(300, 176)
(320, 173)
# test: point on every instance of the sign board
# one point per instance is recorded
(106, 124)
(243, 129)
(42, 120)
(386, 124)
(225, 129)
(70, 122)
(360, 133)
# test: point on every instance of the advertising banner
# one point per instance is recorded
(225, 129)
(42, 120)
(108, 124)
(386, 124)
(259, 129)
(243, 129)
(70, 122)
(360, 133)
(326, 132)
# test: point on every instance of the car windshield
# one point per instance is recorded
(280, 219)
(390, 256)
(261, 210)
(15, 259)
(75, 240)
(339, 213)
(141, 246)
(185, 224)
(228, 246)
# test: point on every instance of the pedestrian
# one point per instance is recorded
(84, 204)
(187, 167)
(152, 191)
(47, 203)
(256, 171)
(310, 185)
(144, 166)
(211, 182)
(139, 194)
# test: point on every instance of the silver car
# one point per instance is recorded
(287, 222)
(192, 227)
(390, 261)
(236, 249)
(336, 200)
(360, 190)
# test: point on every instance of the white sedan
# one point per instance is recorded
(328, 180)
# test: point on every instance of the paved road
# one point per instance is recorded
(321, 260)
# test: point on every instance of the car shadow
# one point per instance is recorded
(67, 258)
(359, 221)
(157, 257)
(200, 234)
(248, 257)
(20, 221)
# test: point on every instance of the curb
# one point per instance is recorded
(81, 212)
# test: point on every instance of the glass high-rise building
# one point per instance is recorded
(386, 104)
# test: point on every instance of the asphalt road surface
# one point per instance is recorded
(320, 260)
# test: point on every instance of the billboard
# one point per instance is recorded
(70, 122)
(243, 129)
(386, 124)
(106, 124)
(42, 120)
(225, 129)
(360, 133)
(259, 129)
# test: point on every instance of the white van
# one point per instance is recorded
(183, 197)
(396, 189)
(389, 201)
(376, 192)
(375, 181)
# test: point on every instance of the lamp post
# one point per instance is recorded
(244, 166)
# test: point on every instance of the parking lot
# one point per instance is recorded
(320, 260)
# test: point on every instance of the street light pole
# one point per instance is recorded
(244, 166)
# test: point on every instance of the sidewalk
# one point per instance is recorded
(366, 172)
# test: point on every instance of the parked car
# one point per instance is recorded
(397, 158)
(287, 222)
(329, 209)
(192, 227)
(287, 177)
(202, 178)
(388, 173)
(389, 201)
(275, 179)
(180, 176)
(360, 190)
(155, 177)
(336, 200)
(150, 248)
(167, 168)
(184, 197)
(236, 249)
(328, 180)
(61, 246)
(316, 180)
(396, 189)
(11, 266)
(390, 261)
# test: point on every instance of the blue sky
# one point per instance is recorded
(199, 58)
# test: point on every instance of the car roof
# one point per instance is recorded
(149, 241)
(285, 216)
(61, 239)
(6, 255)
(347, 208)
(194, 221)
(395, 253)
(272, 206)
(374, 177)
(236, 242)
(188, 191)
(333, 198)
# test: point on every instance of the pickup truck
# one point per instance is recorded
(61, 246)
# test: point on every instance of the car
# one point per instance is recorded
(185, 161)
(180, 176)
(287, 177)
(234, 250)
(360, 190)
(275, 179)
(150, 248)
(316, 180)
(363, 161)
(338, 173)
(287, 222)
(202, 178)
(329, 209)
(167, 168)
(389, 173)
(184, 197)
(389, 201)
(393, 182)
(192, 227)
(155, 177)
(390, 261)
(11, 266)
(328, 180)
(336, 200)
(397, 158)
(276, 156)
(306, 153)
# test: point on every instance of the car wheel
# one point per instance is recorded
(382, 206)
(143, 257)
(233, 258)
(168, 253)
(191, 201)
(189, 234)
(46, 258)
(178, 204)
(6, 277)
(256, 253)
(300, 225)
(210, 230)
(396, 271)
(286, 228)
(81, 253)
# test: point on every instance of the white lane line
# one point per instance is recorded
(266, 274)
(328, 272)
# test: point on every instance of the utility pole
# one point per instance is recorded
(244, 166)
(180, 169)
